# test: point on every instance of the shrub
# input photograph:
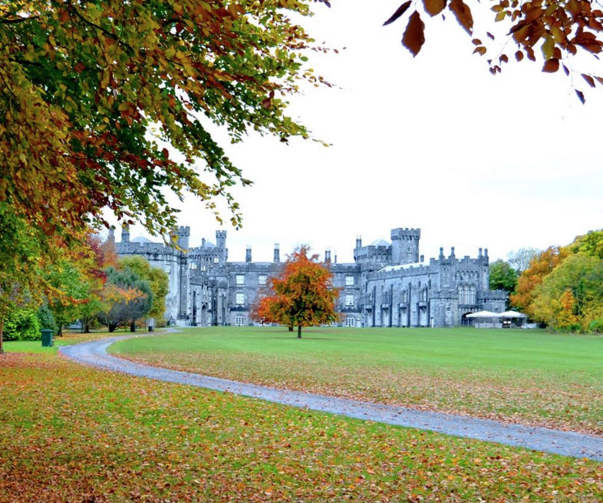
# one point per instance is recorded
(596, 326)
(22, 325)
(46, 320)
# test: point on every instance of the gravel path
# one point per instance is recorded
(540, 439)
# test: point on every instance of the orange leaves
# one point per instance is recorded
(303, 294)
(414, 36)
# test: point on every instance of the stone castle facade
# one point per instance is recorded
(388, 285)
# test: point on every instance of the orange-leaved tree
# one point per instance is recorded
(302, 294)
(540, 267)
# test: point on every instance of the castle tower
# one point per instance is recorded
(405, 246)
(248, 254)
(183, 234)
(125, 233)
(221, 239)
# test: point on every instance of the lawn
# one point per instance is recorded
(532, 377)
(69, 433)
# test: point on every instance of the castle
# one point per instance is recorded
(388, 285)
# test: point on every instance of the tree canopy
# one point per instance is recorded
(563, 286)
(302, 294)
(92, 93)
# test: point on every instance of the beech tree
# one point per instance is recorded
(559, 30)
(302, 294)
(92, 93)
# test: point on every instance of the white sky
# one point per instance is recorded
(434, 142)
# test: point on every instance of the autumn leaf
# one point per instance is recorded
(551, 66)
(414, 36)
(463, 14)
(434, 7)
(399, 12)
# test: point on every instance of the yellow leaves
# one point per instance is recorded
(548, 48)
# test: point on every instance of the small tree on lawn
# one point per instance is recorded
(302, 295)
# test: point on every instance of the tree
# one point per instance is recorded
(20, 262)
(502, 276)
(157, 278)
(520, 259)
(561, 30)
(303, 294)
(571, 296)
(127, 298)
(540, 267)
(92, 93)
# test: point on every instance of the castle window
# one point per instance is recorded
(193, 266)
(262, 279)
(168, 269)
(349, 281)
(239, 321)
(349, 300)
(216, 260)
(240, 279)
(240, 299)
(350, 322)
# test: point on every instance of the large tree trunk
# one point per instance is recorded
(112, 327)
(299, 327)
(291, 328)
(133, 326)
(1, 335)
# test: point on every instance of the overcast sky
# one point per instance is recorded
(434, 142)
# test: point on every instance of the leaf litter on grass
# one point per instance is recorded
(78, 434)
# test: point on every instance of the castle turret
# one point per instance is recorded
(248, 254)
(221, 239)
(125, 233)
(405, 246)
(183, 235)
(111, 237)
(327, 256)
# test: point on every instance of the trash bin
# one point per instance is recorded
(47, 338)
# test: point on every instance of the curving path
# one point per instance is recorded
(540, 439)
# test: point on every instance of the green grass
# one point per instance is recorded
(69, 433)
(533, 377)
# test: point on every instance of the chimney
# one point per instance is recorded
(327, 256)
(277, 253)
(248, 254)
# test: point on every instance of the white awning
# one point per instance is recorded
(483, 314)
(512, 314)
